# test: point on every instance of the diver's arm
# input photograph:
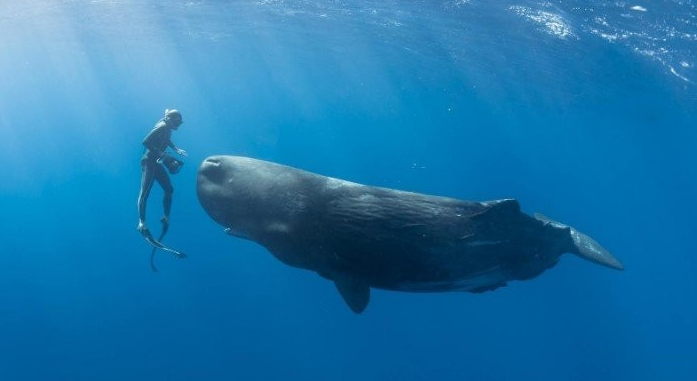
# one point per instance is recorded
(176, 149)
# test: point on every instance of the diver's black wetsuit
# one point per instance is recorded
(155, 144)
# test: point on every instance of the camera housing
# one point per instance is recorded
(172, 164)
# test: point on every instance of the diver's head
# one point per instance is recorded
(173, 118)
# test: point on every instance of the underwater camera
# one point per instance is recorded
(173, 165)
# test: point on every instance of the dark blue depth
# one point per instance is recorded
(583, 111)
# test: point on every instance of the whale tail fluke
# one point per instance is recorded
(585, 246)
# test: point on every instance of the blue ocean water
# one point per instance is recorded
(585, 111)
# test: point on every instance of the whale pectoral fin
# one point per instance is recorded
(355, 292)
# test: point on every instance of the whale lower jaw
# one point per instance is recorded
(487, 281)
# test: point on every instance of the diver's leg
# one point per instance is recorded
(163, 179)
(146, 182)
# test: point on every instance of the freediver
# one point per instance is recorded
(153, 164)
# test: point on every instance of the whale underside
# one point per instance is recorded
(363, 237)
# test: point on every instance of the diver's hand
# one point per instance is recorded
(182, 152)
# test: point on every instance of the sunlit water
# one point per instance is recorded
(584, 111)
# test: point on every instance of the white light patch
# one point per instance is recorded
(487, 278)
(278, 227)
(638, 8)
(554, 24)
(334, 183)
(675, 73)
(484, 243)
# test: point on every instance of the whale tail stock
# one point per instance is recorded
(585, 246)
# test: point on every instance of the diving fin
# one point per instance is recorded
(585, 246)
(355, 292)
(155, 243)
(165, 228)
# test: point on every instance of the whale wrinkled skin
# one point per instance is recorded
(363, 237)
